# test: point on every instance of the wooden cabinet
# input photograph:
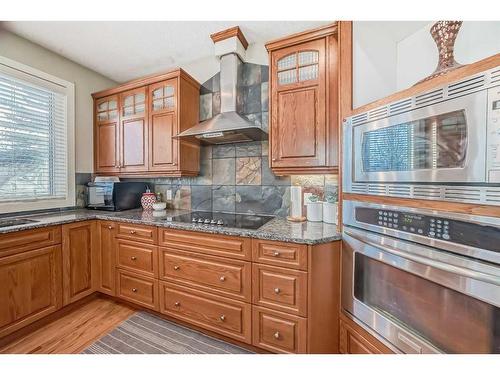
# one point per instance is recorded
(304, 103)
(79, 260)
(137, 257)
(355, 340)
(107, 135)
(106, 257)
(137, 136)
(133, 131)
(31, 287)
(141, 290)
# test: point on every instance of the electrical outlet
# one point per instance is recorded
(169, 195)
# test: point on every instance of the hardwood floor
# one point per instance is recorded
(72, 332)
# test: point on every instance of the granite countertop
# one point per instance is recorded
(278, 229)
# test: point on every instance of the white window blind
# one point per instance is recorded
(33, 138)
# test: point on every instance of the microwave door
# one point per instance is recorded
(443, 143)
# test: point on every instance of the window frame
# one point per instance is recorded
(40, 78)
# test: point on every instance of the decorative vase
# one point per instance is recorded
(444, 34)
(147, 200)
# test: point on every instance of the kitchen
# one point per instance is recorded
(299, 187)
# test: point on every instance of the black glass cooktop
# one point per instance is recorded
(224, 219)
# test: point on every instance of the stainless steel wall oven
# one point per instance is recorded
(443, 144)
(424, 281)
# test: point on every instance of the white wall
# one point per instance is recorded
(392, 56)
(374, 63)
(86, 81)
(418, 57)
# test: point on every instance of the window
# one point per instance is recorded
(36, 139)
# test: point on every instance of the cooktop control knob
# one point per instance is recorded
(206, 221)
(220, 222)
(200, 221)
(213, 221)
(194, 220)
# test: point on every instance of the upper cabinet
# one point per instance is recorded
(136, 125)
(304, 103)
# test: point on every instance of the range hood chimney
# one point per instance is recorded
(228, 126)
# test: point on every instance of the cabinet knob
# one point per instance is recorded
(110, 227)
(222, 318)
(276, 254)
(277, 290)
(277, 335)
(133, 258)
(177, 304)
(273, 159)
(176, 268)
(133, 232)
(134, 290)
(222, 278)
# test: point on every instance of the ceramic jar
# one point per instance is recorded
(330, 212)
(315, 211)
(147, 200)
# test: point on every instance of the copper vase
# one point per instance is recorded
(444, 34)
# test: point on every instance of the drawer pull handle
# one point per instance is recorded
(276, 254)
(133, 232)
(177, 304)
(133, 258)
(134, 290)
(222, 318)
(177, 268)
(277, 335)
(222, 278)
(277, 290)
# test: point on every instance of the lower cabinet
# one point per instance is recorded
(222, 315)
(106, 257)
(31, 287)
(79, 249)
(279, 332)
(355, 340)
(139, 289)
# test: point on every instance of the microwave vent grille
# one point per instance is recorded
(399, 190)
(376, 188)
(461, 194)
(400, 107)
(466, 86)
(378, 113)
(495, 76)
(427, 192)
(360, 119)
(429, 98)
(359, 188)
(492, 195)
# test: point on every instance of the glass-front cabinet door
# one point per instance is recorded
(163, 148)
(299, 106)
(106, 134)
(133, 131)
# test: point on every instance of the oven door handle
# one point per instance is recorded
(490, 279)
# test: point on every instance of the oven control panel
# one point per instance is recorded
(440, 228)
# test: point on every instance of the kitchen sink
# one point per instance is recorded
(12, 222)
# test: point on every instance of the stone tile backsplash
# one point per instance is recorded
(236, 177)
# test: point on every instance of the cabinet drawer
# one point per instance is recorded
(138, 289)
(212, 244)
(280, 289)
(222, 315)
(278, 332)
(15, 242)
(280, 254)
(140, 258)
(230, 278)
(135, 232)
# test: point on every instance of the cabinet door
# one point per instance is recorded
(163, 148)
(31, 287)
(106, 135)
(298, 113)
(106, 257)
(133, 131)
(79, 263)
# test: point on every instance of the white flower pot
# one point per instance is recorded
(315, 211)
(330, 212)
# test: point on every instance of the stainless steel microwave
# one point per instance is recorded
(442, 144)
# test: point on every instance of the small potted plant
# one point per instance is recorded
(330, 208)
(314, 208)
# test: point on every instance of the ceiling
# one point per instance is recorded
(124, 50)
(395, 30)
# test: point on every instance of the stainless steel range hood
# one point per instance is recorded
(228, 126)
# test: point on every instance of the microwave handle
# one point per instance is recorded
(422, 260)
